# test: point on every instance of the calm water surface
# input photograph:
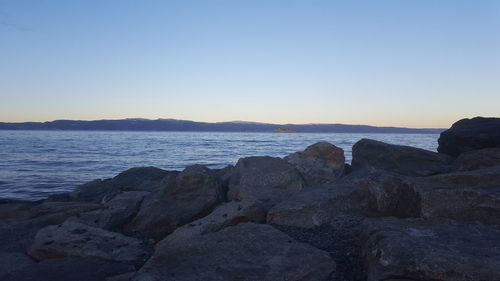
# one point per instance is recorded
(35, 164)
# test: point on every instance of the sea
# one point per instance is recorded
(36, 164)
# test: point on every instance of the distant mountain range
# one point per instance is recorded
(135, 124)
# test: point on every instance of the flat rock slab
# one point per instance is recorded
(75, 239)
(400, 159)
(244, 252)
(416, 249)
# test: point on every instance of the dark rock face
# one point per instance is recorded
(320, 163)
(192, 194)
(392, 195)
(74, 269)
(477, 159)
(470, 134)
(471, 196)
(267, 179)
(135, 179)
(404, 160)
(116, 212)
(320, 206)
(414, 249)
(243, 252)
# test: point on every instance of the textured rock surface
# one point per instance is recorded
(116, 212)
(470, 134)
(418, 250)
(320, 163)
(270, 180)
(74, 239)
(471, 196)
(244, 252)
(477, 159)
(227, 214)
(135, 179)
(404, 160)
(318, 206)
(192, 194)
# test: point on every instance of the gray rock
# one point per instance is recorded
(74, 239)
(246, 251)
(416, 249)
(391, 194)
(320, 163)
(135, 179)
(470, 134)
(318, 206)
(227, 214)
(193, 194)
(404, 160)
(116, 212)
(477, 159)
(266, 179)
(73, 269)
(470, 196)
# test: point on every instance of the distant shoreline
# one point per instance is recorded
(172, 125)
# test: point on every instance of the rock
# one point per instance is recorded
(470, 134)
(193, 194)
(404, 160)
(74, 239)
(471, 196)
(477, 159)
(227, 214)
(320, 163)
(318, 206)
(246, 251)
(391, 195)
(416, 249)
(13, 261)
(340, 241)
(74, 269)
(135, 179)
(267, 179)
(116, 212)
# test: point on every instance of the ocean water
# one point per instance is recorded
(35, 164)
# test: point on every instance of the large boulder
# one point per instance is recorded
(75, 239)
(135, 179)
(477, 159)
(319, 206)
(192, 194)
(116, 212)
(246, 251)
(404, 160)
(415, 249)
(320, 163)
(470, 134)
(267, 179)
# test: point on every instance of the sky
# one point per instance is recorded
(414, 63)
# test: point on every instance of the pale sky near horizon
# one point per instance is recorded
(408, 63)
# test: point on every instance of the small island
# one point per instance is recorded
(282, 130)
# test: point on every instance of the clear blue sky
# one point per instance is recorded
(402, 63)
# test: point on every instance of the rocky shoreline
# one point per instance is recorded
(398, 213)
